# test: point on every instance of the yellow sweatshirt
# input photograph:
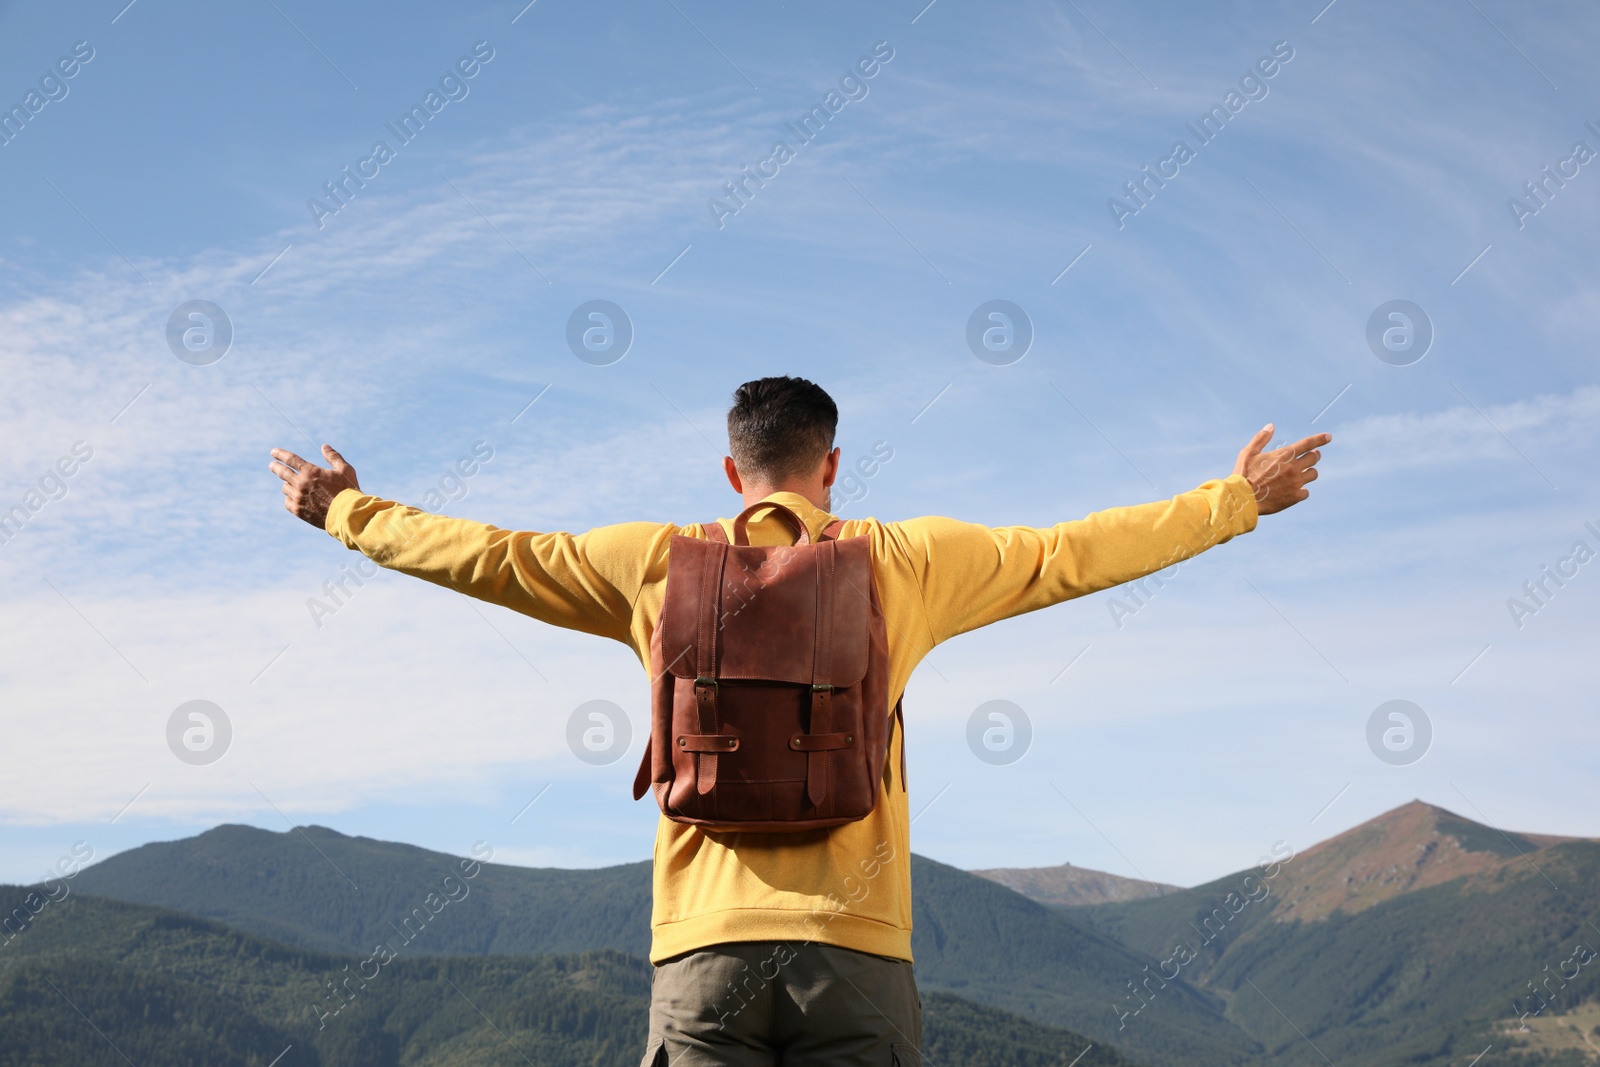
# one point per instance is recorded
(849, 885)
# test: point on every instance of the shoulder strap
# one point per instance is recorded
(821, 721)
(705, 670)
(714, 532)
(790, 519)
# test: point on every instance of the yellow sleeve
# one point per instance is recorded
(974, 575)
(586, 582)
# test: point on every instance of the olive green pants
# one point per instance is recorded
(765, 1004)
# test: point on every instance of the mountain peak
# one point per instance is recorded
(1413, 846)
(1067, 884)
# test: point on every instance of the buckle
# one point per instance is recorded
(698, 682)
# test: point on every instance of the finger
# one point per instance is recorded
(1259, 441)
(1306, 444)
(1311, 475)
(1309, 459)
(282, 470)
(332, 455)
(283, 455)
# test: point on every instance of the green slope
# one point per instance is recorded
(1198, 918)
(984, 942)
(93, 981)
(1421, 978)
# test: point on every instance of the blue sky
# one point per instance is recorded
(1375, 164)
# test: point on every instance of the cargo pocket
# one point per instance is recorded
(656, 1055)
(905, 1055)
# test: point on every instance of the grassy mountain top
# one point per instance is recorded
(1413, 847)
(318, 888)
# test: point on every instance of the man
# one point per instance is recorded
(796, 946)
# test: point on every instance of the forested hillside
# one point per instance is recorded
(97, 982)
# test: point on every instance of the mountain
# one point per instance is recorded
(1413, 847)
(1412, 938)
(318, 889)
(1415, 938)
(91, 981)
(1068, 885)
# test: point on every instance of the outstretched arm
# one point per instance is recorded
(585, 582)
(974, 575)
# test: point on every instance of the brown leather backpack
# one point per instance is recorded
(770, 691)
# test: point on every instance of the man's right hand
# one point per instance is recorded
(1279, 477)
(308, 490)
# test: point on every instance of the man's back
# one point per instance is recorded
(849, 885)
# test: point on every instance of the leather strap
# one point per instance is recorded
(705, 668)
(821, 676)
(641, 777)
(900, 721)
(815, 742)
(708, 742)
(830, 532)
(741, 537)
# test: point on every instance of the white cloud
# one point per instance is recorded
(1466, 434)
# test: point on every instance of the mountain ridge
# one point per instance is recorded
(1068, 885)
(1413, 846)
(316, 888)
(1412, 937)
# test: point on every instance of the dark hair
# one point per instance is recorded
(780, 427)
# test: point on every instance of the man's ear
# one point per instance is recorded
(733, 474)
(830, 469)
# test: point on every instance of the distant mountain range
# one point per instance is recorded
(1068, 885)
(1418, 938)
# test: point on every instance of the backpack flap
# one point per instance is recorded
(763, 612)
